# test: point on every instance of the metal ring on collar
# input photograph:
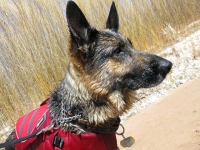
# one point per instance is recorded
(123, 130)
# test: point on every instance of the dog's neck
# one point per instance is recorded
(72, 92)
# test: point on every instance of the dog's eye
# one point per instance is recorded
(117, 51)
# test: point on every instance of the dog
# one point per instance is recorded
(103, 73)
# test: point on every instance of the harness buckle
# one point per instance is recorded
(58, 141)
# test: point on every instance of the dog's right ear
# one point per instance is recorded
(80, 30)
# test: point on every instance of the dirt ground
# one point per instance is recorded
(171, 124)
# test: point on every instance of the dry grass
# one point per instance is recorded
(34, 40)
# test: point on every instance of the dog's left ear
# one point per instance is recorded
(79, 28)
(113, 19)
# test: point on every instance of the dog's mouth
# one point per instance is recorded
(150, 76)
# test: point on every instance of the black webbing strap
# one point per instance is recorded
(97, 129)
(13, 142)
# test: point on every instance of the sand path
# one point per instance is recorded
(171, 124)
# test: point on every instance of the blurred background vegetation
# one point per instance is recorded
(34, 39)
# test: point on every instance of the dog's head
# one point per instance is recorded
(107, 63)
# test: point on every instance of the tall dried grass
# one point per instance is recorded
(34, 40)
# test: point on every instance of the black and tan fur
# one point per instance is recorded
(104, 71)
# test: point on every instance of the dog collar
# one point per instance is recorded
(97, 128)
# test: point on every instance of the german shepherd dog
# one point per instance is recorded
(104, 71)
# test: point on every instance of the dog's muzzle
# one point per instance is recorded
(148, 74)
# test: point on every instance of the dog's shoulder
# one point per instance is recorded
(33, 121)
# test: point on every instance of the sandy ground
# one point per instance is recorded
(171, 124)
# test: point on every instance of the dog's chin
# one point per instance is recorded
(147, 82)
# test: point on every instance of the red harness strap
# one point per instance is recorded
(57, 139)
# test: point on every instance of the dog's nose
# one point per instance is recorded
(165, 65)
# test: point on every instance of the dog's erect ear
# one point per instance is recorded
(113, 19)
(79, 27)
